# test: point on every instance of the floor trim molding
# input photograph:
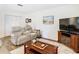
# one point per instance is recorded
(50, 39)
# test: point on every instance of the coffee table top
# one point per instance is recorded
(39, 45)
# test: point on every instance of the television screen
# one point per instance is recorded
(69, 24)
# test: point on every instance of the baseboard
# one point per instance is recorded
(50, 39)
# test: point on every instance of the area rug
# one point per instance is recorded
(8, 44)
(62, 49)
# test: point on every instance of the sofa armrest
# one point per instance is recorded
(15, 34)
(33, 35)
(38, 32)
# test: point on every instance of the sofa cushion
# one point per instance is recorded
(16, 29)
(28, 28)
(26, 32)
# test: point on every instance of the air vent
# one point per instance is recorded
(20, 5)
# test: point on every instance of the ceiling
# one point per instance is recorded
(27, 8)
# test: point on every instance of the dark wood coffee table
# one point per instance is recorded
(39, 48)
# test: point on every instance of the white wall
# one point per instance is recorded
(2, 20)
(1, 23)
(50, 31)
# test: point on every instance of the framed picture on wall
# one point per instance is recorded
(48, 19)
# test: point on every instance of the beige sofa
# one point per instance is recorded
(21, 35)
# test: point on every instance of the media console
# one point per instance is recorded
(70, 39)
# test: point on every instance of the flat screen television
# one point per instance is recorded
(69, 24)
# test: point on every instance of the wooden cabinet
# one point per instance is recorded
(75, 42)
(59, 36)
(71, 41)
(63, 38)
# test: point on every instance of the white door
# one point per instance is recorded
(11, 21)
(8, 24)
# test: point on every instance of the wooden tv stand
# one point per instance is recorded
(70, 40)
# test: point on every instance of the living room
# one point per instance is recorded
(14, 15)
